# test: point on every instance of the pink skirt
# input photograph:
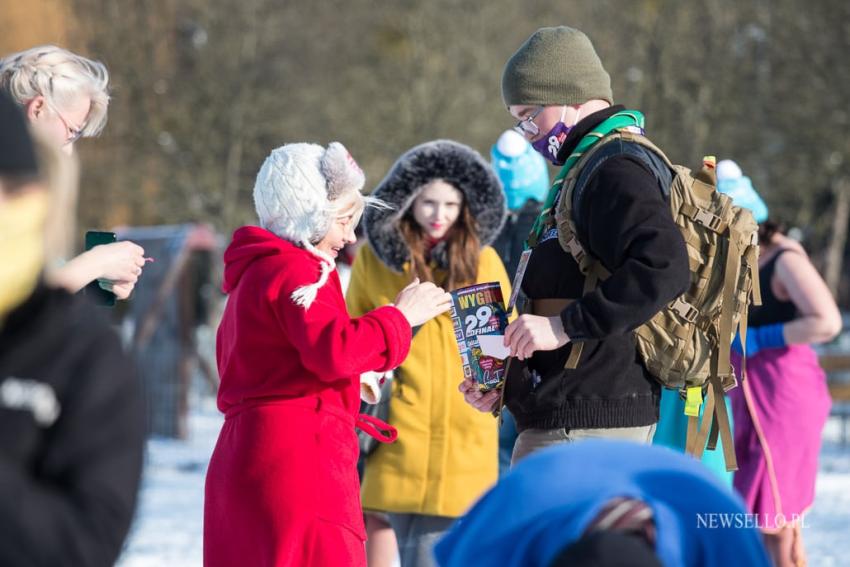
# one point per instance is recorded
(780, 411)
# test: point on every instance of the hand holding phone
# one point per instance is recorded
(100, 290)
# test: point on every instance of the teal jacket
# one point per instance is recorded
(672, 428)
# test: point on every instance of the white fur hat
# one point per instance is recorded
(293, 194)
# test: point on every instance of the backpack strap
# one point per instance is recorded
(751, 258)
(712, 437)
(621, 143)
(693, 433)
(721, 420)
(697, 432)
(720, 365)
(715, 422)
(595, 273)
(568, 208)
(730, 282)
(742, 333)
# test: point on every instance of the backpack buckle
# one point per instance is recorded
(710, 220)
(575, 249)
(685, 310)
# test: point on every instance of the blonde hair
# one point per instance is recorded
(355, 209)
(59, 176)
(60, 77)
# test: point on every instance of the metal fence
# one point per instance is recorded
(159, 322)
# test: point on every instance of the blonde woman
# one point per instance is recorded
(282, 489)
(71, 415)
(65, 97)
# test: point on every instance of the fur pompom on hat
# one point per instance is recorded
(452, 162)
(293, 194)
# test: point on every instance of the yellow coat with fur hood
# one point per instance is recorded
(446, 454)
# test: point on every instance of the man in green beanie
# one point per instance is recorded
(558, 90)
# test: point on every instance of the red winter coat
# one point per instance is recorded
(282, 485)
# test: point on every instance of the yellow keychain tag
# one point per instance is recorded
(693, 401)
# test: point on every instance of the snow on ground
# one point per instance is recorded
(169, 521)
(826, 525)
(169, 525)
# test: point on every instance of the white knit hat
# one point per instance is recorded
(293, 194)
(511, 144)
(728, 169)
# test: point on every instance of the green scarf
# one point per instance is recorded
(546, 219)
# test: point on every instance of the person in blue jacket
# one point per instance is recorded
(525, 181)
(605, 503)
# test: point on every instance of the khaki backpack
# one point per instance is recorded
(686, 345)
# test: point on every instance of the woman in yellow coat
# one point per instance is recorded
(447, 205)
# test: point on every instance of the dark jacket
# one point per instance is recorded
(71, 435)
(511, 240)
(630, 230)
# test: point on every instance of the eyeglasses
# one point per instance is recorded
(526, 126)
(74, 134)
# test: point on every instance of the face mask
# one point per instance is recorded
(21, 247)
(550, 145)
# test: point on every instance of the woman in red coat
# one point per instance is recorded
(282, 485)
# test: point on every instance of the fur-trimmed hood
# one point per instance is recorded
(456, 164)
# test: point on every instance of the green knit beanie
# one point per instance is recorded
(555, 66)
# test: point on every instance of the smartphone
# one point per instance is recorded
(95, 291)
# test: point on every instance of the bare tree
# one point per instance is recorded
(204, 90)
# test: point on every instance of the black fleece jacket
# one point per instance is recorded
(628, 227)
(71, 435)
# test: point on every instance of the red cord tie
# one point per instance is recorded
(376, 428)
